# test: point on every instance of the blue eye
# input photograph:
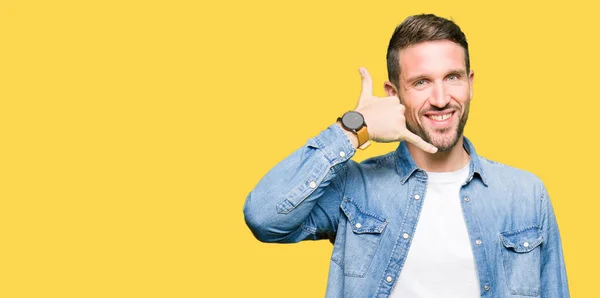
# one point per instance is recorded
(420, 82)
(453, 77)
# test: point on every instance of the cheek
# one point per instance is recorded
(415, 102)
(416, 99)
(459, 93)
(412, 113)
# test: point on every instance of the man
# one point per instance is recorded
(432, 219)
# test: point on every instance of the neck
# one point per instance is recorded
(447, 161)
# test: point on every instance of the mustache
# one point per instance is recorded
(438, 109)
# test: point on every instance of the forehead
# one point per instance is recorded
(431, 57)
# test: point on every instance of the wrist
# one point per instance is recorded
(353, 122)
(351, 136)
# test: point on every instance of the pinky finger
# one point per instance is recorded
(419, 142)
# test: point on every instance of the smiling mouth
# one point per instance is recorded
(440, 117)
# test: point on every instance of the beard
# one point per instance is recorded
(444, 139)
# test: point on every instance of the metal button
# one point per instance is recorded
(417, 197)
(526, 244)
(466, 199)
(478, 242)
(358, 225)
(388, 278)
(405, 236)
(486, 287)
(342, 153)
(313, 184)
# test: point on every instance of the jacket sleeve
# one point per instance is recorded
(299, 198)
(553, 276)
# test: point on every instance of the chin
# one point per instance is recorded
(443, 142)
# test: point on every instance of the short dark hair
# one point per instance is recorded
(421, 28)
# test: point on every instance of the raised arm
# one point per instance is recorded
(300, 197)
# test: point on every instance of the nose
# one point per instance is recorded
(439, 96)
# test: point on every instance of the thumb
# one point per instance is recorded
(367, 83)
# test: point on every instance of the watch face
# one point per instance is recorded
(353, 120)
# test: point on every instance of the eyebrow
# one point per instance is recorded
(422, 76)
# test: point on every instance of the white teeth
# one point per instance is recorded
(441, 117)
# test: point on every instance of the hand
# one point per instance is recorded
(385, 117)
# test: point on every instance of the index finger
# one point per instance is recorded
(367, 83)
(417, 141)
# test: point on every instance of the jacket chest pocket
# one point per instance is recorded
(522, 263)
(357, 240)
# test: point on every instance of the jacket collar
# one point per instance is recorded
(406, 166)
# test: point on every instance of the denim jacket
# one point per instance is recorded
(368, 209)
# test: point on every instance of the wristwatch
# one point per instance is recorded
(354, 122)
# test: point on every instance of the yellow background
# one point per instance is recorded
(132, 131)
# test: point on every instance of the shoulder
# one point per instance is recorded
(497, 168)
(374, 167)
(511, 177)
(378, 162)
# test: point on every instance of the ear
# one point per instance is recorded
(390, 89)
(471, 80)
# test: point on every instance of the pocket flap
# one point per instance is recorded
(362, 222)
(524, 240)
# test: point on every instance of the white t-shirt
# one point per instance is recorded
(440, 260)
